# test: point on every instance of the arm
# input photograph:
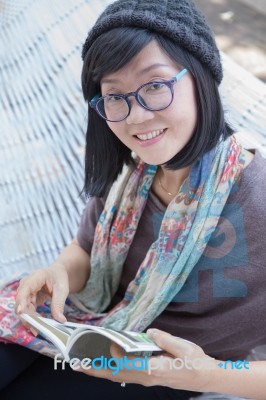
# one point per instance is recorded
(76, 262)
(245, 382)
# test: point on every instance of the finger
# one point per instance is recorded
(60, 293)
(174, 345)
(133, 361)
(97, 373)
(41, 297)
(33, 330)
(117, 351)
(115, 375)
(28, 307)
(27, 289)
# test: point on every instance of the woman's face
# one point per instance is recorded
(175, 124)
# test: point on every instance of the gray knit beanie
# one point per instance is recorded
(180, 20)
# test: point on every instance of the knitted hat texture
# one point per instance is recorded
(179, 20)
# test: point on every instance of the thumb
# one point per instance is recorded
(57, 305)
(172, 344)
(116, 351)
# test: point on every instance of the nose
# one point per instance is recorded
(138, 113)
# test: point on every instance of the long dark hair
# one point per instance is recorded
(105, 154)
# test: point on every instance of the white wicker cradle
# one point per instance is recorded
(42, 125)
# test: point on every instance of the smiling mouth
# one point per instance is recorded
(150, 135)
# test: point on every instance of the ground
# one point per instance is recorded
(240, 28)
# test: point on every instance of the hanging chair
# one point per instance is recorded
(42, 128)
(43, 121)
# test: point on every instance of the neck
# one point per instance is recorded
(173, 179)
(167, 183)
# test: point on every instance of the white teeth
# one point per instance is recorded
(150, 135)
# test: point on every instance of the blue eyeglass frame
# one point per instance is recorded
(93, 103)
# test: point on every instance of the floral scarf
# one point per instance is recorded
(187, 225)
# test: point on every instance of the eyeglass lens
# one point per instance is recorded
(153, 96)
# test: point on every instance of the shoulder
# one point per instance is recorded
(94, 203)
(91, 212)
(253, 176)
(251, 187)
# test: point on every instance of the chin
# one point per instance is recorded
(152, 161)
(156, 161)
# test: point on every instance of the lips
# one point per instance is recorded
(150, 135)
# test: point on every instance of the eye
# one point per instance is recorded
(113, 99)
(154, 86)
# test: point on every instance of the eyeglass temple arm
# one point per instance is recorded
(181, 74)
(94, 100)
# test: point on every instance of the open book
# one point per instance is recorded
(75, 340)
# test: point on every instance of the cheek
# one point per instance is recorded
(188, 110)
(118, 130)
(114, 128)
(184, 116)
(193, 104)
(193, 115)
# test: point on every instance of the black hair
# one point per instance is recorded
(105, 154)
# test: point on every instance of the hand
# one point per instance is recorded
(42, 284)
(183, 366)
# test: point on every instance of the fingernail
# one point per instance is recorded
(152, 333)
(34, 331)
(62, 318)
(19, 309)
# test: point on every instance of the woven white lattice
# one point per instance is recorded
(43, 120)
(42, 125)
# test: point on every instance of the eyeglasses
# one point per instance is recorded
(153, 96)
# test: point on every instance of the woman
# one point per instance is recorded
(166, 239)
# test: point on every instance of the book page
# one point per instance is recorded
(130, 341)
(62, 335)
(97, 341)
(54, 335)
(89, 344)
(136, 340)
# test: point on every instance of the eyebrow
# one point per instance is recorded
(143, 71)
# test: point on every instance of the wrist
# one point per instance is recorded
(214, 376)
(224, 377)
(58, 266)
(209, 375)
